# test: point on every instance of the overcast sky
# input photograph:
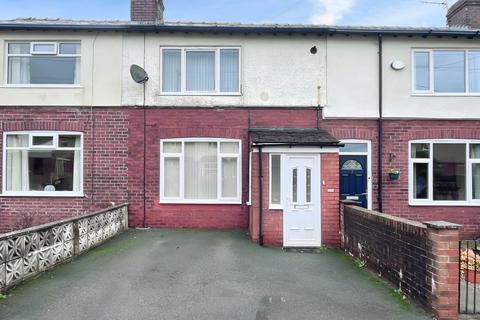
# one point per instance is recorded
(342, 12)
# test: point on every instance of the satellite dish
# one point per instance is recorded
(139, 75)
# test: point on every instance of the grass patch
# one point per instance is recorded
(3, 296)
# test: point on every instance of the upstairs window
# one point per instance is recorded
(200, 71)
(446, 71)
(200, 170)
(42, 164)
(445, 172)
(43, 63)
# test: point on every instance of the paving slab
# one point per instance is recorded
(204, 274)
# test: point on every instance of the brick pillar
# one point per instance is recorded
(444, 241)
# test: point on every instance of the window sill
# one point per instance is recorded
(273, 207)
(213, 94)
(42, 194)
(452, 95)
(445, 204)
(42, 86)
(214, 202)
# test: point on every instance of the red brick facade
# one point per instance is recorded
(397, 134)
(113, 165)
(105, 150)
(195, 123)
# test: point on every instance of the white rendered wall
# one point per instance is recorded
(352, 80)
(100, 74)
(276, 70)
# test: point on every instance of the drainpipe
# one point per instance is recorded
(380, 121)
(260, 200)
(144, 141)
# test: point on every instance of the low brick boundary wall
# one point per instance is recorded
(28, 252)
(419, 258)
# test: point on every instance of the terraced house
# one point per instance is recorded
(264, 127)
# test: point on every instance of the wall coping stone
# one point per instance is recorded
(442, 225)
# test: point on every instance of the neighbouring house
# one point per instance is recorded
(264, 127)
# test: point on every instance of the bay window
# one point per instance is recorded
(444, 172)
(43, 63)
(446, 71)
(200, 171)
(208, 70)
(42, 164)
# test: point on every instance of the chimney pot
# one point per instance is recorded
(150, 11)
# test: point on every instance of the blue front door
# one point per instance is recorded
(353, 179)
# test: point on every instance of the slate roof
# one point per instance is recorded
(305, 137)
(226, 27)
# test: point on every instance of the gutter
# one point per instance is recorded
(245, 29)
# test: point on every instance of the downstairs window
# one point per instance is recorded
(200, 171)
(445, 172)
(42, 164)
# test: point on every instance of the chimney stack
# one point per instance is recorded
(464, 13)
(150, 11)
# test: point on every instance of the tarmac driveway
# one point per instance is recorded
(204, 274)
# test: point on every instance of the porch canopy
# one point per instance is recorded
(293, 137)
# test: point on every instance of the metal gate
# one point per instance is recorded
(469, 280)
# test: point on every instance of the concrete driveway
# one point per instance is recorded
(198, 274)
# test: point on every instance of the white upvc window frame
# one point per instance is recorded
(52, 52)
(276, 206)
(468, 172)
(33, 53)
(431, 90)
(31, 134)
(183, 79)
(181, 199)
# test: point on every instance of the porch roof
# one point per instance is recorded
(299, 137)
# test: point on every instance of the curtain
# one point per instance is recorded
(476, 180)
(200, 70)
(17, 164)
(77, 157)
(200, 170)
(229, 70)
(76, 77)
(76, 170)
(171, 70)
(229, 177)
(19, 70)
(474, 70)
(171, 184)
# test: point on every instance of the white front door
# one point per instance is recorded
(302, 216)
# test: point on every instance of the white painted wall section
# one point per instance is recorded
(277, 71)
(100, 74)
